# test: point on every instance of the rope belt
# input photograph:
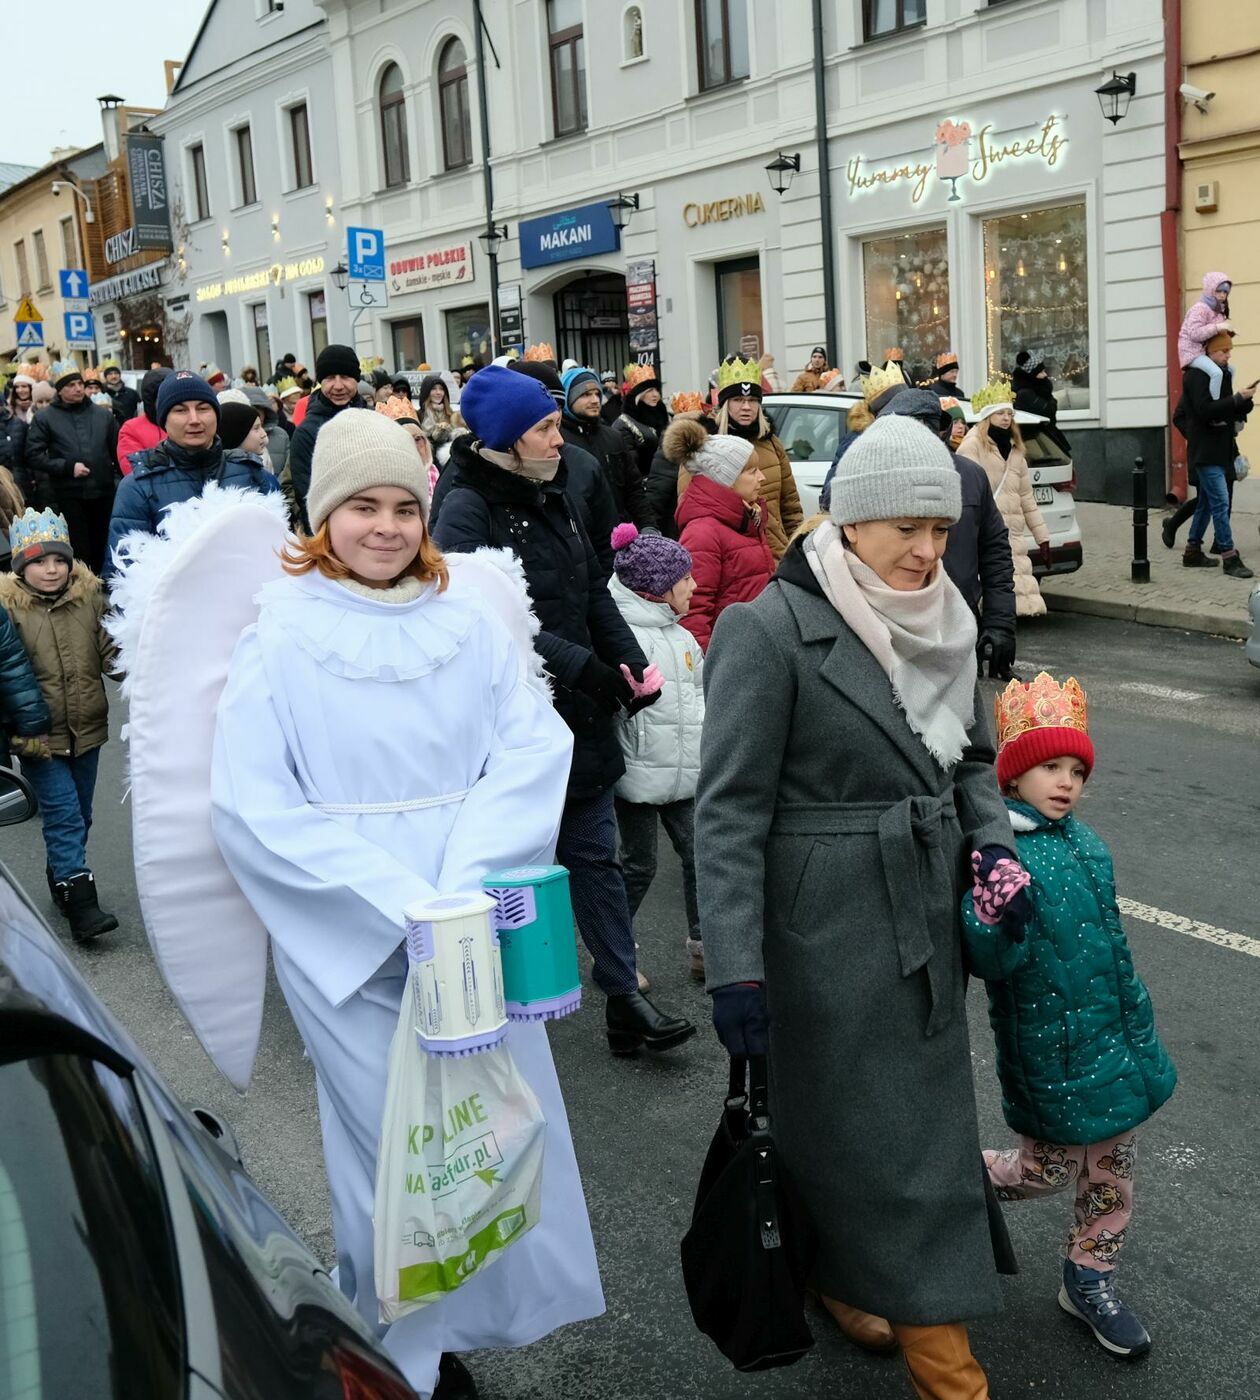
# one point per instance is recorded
(372, 809)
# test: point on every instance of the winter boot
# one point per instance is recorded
(454, 1381)
(1168, 533)
(87, 918)
(56, 890)
(634, 1023)
(863, 1329)
(695, 958)
(1235, 567)
(1194, 558)
(1215, 548)
(940, 1362)
(1090, 1295)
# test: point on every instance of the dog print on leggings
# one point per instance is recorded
(1050, 1166)
(1120, 1160)
(1103, 1247)
(1101, 1198)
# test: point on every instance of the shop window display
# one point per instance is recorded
(1037, 296)
(906, 287)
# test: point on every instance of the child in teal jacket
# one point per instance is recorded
(1078, 1057)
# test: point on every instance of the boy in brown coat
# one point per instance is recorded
(56, 603)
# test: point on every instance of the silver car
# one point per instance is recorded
(810, 427)
(1253, 641)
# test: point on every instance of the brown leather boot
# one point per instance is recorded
(940, 1362)
(869, 1332)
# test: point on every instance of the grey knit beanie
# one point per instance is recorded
(356, 451)
(896, 470)
(719, 456)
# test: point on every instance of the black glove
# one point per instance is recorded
(997, 646)
(603, 686)
(741, 1018)
(1018, 913)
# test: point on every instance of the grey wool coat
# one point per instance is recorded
(832, 852)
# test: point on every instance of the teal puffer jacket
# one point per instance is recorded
(1077, 1054)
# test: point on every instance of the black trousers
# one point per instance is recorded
(88, 521)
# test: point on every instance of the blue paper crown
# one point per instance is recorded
(37, 528)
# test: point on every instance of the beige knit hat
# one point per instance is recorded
(356, 451)
(720, 456)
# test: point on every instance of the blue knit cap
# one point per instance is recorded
(182, 387)
(500, 406)
(577, 381)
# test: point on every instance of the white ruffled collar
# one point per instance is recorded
(360, 637)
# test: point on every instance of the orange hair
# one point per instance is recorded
(308, 552)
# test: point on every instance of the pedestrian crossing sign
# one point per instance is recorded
(28, 311)
(30, 335)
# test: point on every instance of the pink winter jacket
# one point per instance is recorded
(1203, 320)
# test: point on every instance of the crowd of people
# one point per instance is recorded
(796, 701)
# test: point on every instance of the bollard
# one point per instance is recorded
(1140, 569)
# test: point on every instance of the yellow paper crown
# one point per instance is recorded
(1040, 704)
(639, 374)
(541, 351)
(686, 401)
(284, 385)
(881, 378)
(737, 371)
(997, 390)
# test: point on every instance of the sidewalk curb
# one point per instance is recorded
(1149, 614)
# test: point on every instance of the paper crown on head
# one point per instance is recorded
(894, 353)
(686, 401)
(110, 364)
(947, 359)
(541, 351)
(32, 531)
(737, 371)
(879, 379)
(640, 374)
(997, 393)
(287, 386)
(1039, 720)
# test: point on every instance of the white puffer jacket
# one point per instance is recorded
(662, 743)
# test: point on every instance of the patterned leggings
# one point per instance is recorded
(1101, 1172)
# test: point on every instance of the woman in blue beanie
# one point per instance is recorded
(509, 491)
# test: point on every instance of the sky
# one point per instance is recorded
(86, 50)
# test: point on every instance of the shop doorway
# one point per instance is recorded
(591, 323)
(740, 326)
(408, 342)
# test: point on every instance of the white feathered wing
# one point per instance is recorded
(182, 598)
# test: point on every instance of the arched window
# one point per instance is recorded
(453, 101)
(631, 34)
(394, 127)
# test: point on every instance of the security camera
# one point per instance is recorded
(1200, 97)
(56, 187)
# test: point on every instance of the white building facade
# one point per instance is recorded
(252, 159)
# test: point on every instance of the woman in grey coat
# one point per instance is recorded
(846, 778)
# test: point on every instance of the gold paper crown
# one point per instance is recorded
(541, 351)
(879, 379)
(894, 352)
(639, 374)
(737, 371)
(945, 359)
(1040, 704)
(284, 385)
(686, 402)
(997, 390)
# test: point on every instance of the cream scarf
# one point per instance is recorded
(924, 641)
(406, 590)
(532, 468)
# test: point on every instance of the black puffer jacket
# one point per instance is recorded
(13, 448)
(625, 481)
(1209, 423)
(124, 401)
(978, 553)
(22, 706)
(587, 489)
(486, 506)
(302, 445)
(1036, 395)
(63, 434)
(640, 428)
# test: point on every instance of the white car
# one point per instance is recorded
(810, 427)
(1253, 641)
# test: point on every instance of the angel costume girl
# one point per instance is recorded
(374, 746)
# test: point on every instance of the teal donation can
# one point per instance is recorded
(534, 919)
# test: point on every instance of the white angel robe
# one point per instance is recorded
(369, 754)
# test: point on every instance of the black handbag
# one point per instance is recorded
(750, 1249)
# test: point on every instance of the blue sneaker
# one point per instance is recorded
(1090, 1295)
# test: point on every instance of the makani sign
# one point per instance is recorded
(575, 233)
(960, 153)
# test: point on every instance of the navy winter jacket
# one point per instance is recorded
(22, 706)
(166, 475)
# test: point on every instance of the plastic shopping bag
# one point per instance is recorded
(459, 1170)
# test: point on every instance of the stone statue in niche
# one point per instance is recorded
(634, 32)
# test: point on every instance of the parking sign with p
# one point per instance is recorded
(80, 328)
(366, 250)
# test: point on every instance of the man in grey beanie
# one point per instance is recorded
(978, 555)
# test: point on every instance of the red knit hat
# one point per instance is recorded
(1039, 720)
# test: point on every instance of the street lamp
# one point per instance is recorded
(493, 239)
(1115, 94)
(623, 209)
(781, 169)
(340, 275)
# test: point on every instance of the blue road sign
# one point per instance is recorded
(80, 328)
(74, 284)
(365, 248)
(30, 335)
